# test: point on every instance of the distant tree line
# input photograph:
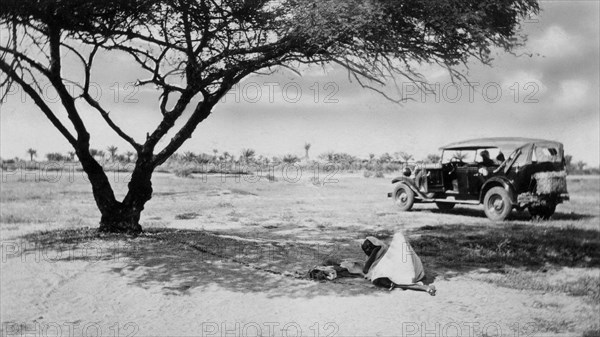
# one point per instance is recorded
(384, 162)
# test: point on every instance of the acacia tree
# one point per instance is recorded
(194, 51)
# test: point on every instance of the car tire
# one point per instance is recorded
(497, 204)
(445, 206)
(542, 212)
(404, 197)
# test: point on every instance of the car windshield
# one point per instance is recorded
(465, 156)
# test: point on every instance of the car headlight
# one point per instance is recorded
(483, 171)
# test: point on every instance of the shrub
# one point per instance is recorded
(367, 174)
(183, 172)
(379, 174)
(290, 159)
(187, 216)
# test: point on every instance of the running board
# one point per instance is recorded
(466, 202)
(423, 198)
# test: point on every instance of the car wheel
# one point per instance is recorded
(497, 204)
(445, 206)
(404, 197)
(542, 212)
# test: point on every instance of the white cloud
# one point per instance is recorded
(555, 42)
(573, 93)
(526, 81)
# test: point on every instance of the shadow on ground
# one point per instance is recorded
(180, 261)
(462, 248)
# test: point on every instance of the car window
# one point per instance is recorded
(495, 154)
(466, 156)
(546, 154)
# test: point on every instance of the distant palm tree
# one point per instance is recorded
(97, 153)
(406, 157)
(306, 148)
(225, 156)
(189, 156)
(128, 155)
(385, 158)
(32, 153)
(459, 155)
(580, 165)
(113, 151)
(247, 155)
(290, 159)
(71, 155)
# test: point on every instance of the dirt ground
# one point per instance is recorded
(223, 256)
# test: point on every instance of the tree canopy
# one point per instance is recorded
(199, 49)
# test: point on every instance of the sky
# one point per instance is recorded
(550, 91)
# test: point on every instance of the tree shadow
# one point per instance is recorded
(496, 247)
(182, 261)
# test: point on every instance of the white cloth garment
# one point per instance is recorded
(399, 262)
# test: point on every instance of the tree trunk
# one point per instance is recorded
(119, 217)
(124, 217)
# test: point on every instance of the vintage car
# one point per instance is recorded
(477, 171)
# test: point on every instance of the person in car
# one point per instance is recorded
(500, 158)
(485, 158)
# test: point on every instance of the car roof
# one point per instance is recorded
(505, 144)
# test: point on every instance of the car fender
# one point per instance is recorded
(497, 181)
(410, 183)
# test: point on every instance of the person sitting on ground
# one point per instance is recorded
(485, 158)
(394, 266)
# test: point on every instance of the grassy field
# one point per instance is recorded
(253, 233)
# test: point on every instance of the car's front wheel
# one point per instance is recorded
(404, 197)
(497, 204)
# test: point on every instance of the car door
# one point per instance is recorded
(469, 181)
(435, 182)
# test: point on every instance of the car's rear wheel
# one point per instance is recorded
(497, 204)
(543, 212)
(445, 206)
(404, 197)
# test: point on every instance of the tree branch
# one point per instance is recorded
(38, 101)
(109, 121)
